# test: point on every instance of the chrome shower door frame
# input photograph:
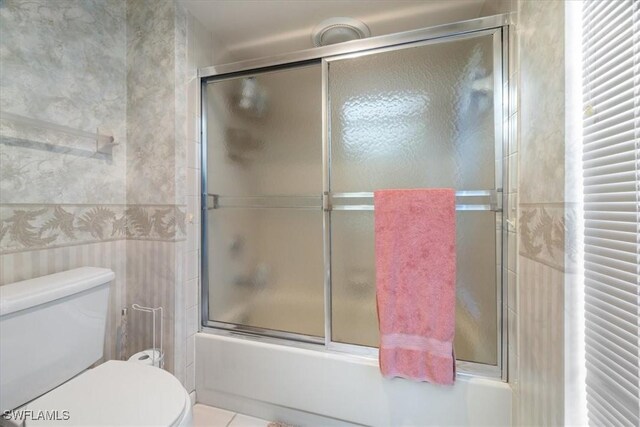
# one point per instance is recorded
(498, 27)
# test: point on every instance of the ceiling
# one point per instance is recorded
(246, 29)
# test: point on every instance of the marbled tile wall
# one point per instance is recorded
(539, 395)
(62, 79)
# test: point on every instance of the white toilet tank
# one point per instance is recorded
(51, 329)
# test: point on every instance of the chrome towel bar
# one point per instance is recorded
(466, 200)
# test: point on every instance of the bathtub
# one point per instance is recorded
(302, 385)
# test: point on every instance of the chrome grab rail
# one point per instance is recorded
(216, 201)
(466, 200)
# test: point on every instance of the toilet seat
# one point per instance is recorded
(116, 394)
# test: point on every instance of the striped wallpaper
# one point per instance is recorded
(152, 275)
(541, 376)
(147, 272)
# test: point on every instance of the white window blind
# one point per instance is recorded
(611, 153)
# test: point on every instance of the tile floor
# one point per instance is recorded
(208, 416)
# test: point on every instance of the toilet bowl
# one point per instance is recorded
(117, 394)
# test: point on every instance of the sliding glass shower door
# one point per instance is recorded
(422, 116)
(264, 180)
(291, 158)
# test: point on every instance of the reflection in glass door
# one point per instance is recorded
(288, 221)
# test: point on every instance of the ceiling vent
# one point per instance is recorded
(338, 30)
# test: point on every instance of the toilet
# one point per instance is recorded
(52, 331)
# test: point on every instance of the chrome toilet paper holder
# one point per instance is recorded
(155, 350)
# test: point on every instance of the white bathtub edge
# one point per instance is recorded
(298, 385)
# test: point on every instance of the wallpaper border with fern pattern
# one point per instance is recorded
(544, 231)
(27, 227)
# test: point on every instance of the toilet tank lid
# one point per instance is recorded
(41, 290)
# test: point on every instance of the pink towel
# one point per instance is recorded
(415, 234)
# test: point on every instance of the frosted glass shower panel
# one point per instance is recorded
(424, 118)
(264, 133)
(354, 315)
(476, 337)
(266, 269)
(264, 218)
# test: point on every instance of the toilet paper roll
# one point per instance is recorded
(146, 357)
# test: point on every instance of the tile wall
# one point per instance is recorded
(199, 54)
